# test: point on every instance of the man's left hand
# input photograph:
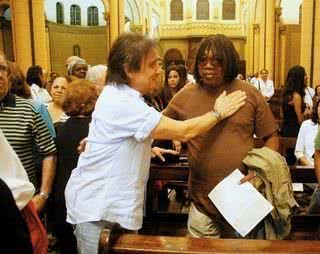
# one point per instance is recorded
(159, 152)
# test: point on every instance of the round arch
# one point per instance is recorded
(6, 40)
(4, 5)
(132, 11)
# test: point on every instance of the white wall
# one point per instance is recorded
(50, 10)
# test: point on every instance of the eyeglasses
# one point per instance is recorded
(213, 62)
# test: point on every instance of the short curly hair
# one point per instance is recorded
(80, 98)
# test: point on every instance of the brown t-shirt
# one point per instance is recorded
(216, 153)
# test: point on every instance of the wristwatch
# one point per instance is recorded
(44, 195)
(217, 115)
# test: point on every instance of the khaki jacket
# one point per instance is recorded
(274, 181)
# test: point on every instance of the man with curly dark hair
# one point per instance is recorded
(213, 155)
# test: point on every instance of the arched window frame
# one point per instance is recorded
(203, 10)
(76, 50)
(60, 13)
(75, 15)
(226, 14)
(176, 10)
(93, 16)
(300, 14)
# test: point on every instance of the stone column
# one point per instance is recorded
(262, 36)
(39, 34)
(316, 51)
(250, 48)
(283, 53)
(116, 10)
(188, 6)
(121, 15)
(21, 33)
(114, 20)
(143, 16)
(270, 37)
(306, 35)
(278, 13)
(1, 33)
(256, 48)
(107, 19)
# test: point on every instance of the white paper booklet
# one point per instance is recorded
(240, 204)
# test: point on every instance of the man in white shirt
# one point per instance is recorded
(14, 175)
(109, 182)
(265, 85)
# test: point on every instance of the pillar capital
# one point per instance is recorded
(106, 16)
(136, 28)
(278, 12)
(256, 28)
(282, 29)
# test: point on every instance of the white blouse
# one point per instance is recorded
(305, 141)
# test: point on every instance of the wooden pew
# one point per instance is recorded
(180, 172)
(112, 241)
(170, 172)
(275, 103)
(285, 143)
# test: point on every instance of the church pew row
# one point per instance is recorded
(179, 172)
(113, 241)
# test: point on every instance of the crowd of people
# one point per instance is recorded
(122, 115)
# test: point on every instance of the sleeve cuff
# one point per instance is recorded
(151, 122)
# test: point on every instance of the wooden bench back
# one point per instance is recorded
(285, 143)
(111, 242)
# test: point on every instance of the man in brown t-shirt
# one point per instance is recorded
(216, 153)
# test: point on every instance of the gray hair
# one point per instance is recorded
(74, 63)
(95, 72)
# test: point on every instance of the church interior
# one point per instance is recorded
(270, 36)
(274, 35)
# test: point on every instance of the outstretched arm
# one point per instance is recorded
(225, 106)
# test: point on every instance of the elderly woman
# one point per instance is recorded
(80, 99)
(78, 69)
(55, 109)
(98, 74)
